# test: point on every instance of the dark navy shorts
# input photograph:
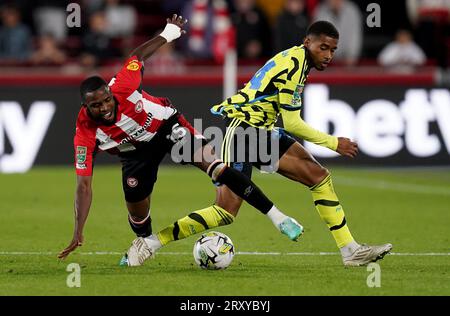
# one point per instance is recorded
(245, 146)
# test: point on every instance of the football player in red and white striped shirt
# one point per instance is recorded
(122, 119)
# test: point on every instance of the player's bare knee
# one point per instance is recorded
(230, 205)
(215, 169)
(319, 175)
(202, 158)
(138, 210)
(201, 165)
(208, 153)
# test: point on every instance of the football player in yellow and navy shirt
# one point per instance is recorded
(276, 90)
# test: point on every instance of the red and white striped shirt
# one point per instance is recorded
(139, 116)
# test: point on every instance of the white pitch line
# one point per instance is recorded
(245, 253)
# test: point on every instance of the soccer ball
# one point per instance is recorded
(213, 251)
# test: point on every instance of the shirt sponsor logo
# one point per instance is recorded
(133, 66)
(81, 154)
(139, 131)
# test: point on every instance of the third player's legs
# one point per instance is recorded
(206, 160)
(139, 217)
(139, 174)
(225, 198)
(299, 165)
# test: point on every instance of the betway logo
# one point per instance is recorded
(381, 127)
(24, 134)
(139, 131)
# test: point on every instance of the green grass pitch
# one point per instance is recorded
(408, 207)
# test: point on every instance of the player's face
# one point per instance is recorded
(101, 105)
(321, 50)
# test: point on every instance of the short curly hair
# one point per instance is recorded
(323, 27)
(91, 84)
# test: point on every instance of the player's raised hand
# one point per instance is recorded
(74, 244)
(174, 28)
(346, 147)
(178, 21)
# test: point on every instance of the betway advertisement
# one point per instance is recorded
(393, 125)
(412, 129)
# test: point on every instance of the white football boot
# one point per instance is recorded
(365, 254)
(138, 252)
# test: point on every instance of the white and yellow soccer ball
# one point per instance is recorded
(213, 251)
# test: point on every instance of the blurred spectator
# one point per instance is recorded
(393, 17)
(15, 37)
(271, 9)
(403, 53)
(346, 17)
(291, 25)
(121, 19)
(25, 7)
(92, 6)
(48, 52)
(165, 61)
(172, 6)
(209, 30)
(50, 18)
(431, 21)
(428, 9)
(97, 45)
(252, 29)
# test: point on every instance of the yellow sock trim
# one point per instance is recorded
(194, 223)
(331, 211)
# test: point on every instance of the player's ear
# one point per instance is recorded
(306, 41)
(83, 100)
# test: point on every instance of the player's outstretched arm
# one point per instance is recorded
(295, 125)
(346, 147)
(83, 199)
(172, 31)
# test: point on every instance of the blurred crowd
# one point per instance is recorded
(412, 32)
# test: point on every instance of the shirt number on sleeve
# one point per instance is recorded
(255, 82)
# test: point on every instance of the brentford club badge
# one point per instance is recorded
(139, 106)
(132, 182)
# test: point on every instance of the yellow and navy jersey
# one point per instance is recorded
(277, 85)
